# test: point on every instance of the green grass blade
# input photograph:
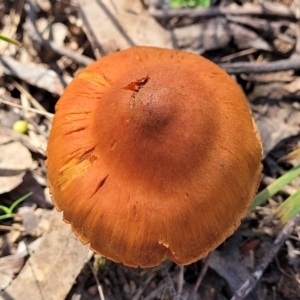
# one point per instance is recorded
(289, 208)
(9, 40)
(8, 211)
(190, 3)
(17, 202)
(7, 216)
(275, 186)
(5, 209)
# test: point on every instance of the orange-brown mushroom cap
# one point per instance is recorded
(153, 152)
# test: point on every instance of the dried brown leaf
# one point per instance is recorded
(15, 159)
(51, 270)
(120, 24)
(11, 265)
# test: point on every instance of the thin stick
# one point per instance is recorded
(180, 282)
(154, 294)
(36, 36)
(239, 54)
(200, 277)
(35, 74)
(10, 228)
(170, 285)
(43, 113)
(265, 9)
(24, 91)
(262, 67)
(141, 289)
(151, 274)
(100, 290)
(253, 279)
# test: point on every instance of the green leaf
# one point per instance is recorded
(9, 40)
(204, 3)
(275, 187)
(176, 3)
(289, 208)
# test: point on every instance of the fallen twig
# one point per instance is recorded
(180, 282)
(37, 111)
(35, 75)
(266, 9)
(100, 290)
(170, 282)
(154, 294)
(141, 289)
(32, 100)
(252, 67)
(33, 33)
(253, 279)
(200, 277)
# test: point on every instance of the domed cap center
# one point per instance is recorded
(151, 106)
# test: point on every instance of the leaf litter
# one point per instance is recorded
(256, 41)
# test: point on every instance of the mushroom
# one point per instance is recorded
(153, 152)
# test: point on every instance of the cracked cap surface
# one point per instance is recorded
(153, 152)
